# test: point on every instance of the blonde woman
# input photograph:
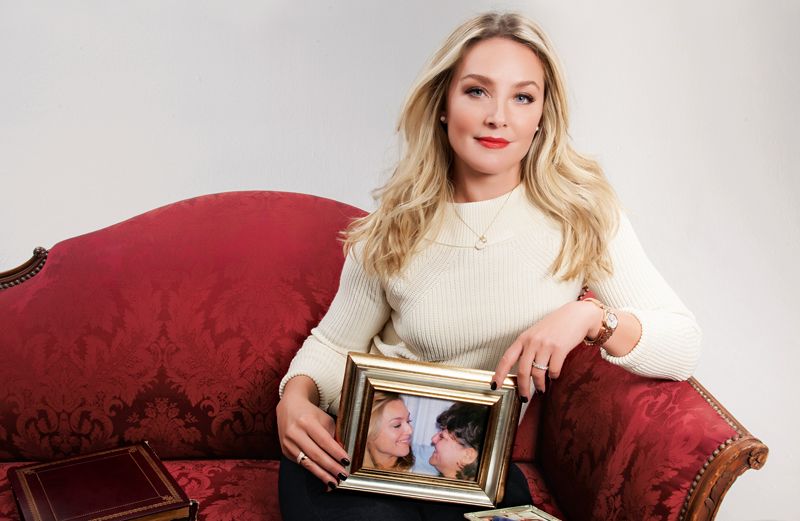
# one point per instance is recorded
(483, 238)
(389, 435)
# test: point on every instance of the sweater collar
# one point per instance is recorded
(505, 216)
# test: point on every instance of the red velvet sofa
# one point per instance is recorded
(176, 326)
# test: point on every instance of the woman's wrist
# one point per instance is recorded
(594, 318)
(301, 387)
(626, 337)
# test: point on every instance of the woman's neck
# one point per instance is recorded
(470, 189)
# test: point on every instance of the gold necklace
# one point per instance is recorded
(481, 242)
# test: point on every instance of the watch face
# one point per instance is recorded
(611, 320)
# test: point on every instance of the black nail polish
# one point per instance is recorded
(331, 485)
(342, 477)
(523, 399)
(345, 461)
(494, 385)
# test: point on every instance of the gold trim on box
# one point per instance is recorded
(29, 496)
(132, 511)
(161, 476)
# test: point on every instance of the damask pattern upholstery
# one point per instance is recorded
(621, 446)
(177, 325)
(173, 326)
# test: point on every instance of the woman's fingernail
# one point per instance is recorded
(345, 461)
(331, 485)
(523, 399)
(494, 385)
(342, 477)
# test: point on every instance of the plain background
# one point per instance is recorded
(111, 108)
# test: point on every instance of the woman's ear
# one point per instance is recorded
(467, 456)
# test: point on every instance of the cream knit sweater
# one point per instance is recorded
(463, 307)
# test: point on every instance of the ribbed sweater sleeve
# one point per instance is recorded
(670, 343)
(358, 312)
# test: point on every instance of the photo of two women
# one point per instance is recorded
(426, 436)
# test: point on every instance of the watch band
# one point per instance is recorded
(607, 327)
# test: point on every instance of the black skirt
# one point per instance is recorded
(303, 498)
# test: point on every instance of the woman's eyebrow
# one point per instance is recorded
(485, 79)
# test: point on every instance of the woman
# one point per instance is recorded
(457, 445)
(389, 436)
(484, 236)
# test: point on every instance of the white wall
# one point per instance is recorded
(111, 108)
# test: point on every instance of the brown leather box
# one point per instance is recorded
(128, 483)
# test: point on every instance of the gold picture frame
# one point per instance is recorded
(479, 423)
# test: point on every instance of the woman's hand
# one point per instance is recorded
(302, 426)
(547, 343)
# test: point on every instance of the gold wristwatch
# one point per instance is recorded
(608, 326)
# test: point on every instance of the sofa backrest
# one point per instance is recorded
(174, 326)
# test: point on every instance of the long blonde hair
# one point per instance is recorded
(567, 186)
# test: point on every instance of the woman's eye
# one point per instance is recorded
(477, 92)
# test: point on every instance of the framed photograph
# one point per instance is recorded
(426, 431)
(511, 514)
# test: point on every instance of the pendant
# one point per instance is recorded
(480, 243)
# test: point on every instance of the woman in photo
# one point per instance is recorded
(485, 234)
(389, 437)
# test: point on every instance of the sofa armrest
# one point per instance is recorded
(723, 466)
(614, 445)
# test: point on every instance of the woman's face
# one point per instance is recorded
(449, 455)
(496, 92)
(393, 431)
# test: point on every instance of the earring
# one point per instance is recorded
(537, 129)
(442, 118)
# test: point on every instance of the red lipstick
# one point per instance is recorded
(492, 142)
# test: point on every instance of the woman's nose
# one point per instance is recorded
(497, 115)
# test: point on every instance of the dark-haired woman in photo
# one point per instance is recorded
(457, 445)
